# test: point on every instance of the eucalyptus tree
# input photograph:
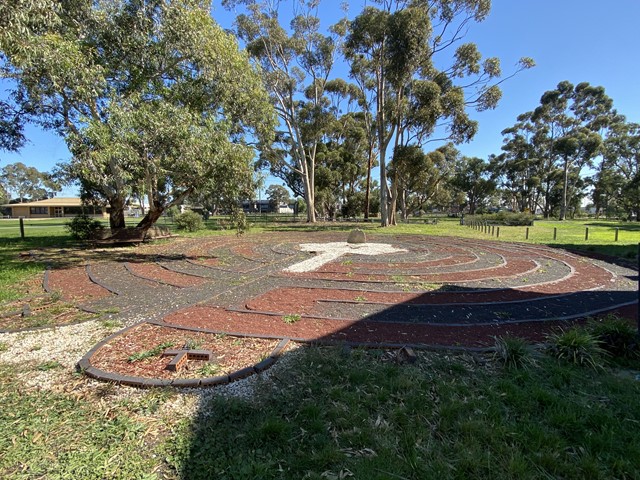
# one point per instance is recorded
(573, 120)
(621, 160)
(421, 175)
(401, 48)
(27, 182)
(526, 173)
(473, 177)
(111, 77)
(11, 127)
(296, 65)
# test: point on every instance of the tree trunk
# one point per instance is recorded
(563, 208)
(368, 187)
(150, 218)
(116, 215)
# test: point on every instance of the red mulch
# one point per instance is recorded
(232, 353)
(359, 331)
(75, 285)
(156, 272)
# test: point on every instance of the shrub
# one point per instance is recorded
(616, 336)
(514, 219)
(577, 346)
(84, 227)
(189, 221)
(239, 222)
(512, 352)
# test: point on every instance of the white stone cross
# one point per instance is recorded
(330, 251)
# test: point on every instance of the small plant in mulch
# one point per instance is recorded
(360, 298)
(50, 365)
(154, 352)
(616, 336)
(290, 319)
(208, 370)
(192, 344)
(4, 346)
(577, 346)
(513, 352)
(111, 324)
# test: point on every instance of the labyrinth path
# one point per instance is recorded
(243, 299)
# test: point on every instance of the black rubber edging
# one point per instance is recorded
(85, 366)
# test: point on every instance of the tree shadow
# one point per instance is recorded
(345, 412)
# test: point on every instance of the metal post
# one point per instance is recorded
(555, 233)
(22, 228)
(586, 233)
(526, 235)
(617, 231)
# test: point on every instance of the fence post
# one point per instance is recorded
(526, 235)
(22, 228)
(493, 230)
(555, 233)
(617, 231)
(586, 233)
(498, 232)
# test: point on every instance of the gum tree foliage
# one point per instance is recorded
(296, 64)
(528, 176)
(473, 177)
(618, 178)
(421, 176)
(572, 121)
(277, 195)
(422, 77)
(152, 96)
(28, 183)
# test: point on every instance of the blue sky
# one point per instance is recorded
(574, 40)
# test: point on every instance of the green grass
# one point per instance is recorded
(57, 436)
(445, 417)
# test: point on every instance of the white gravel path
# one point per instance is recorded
(333, 250)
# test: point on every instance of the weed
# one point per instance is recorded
(50, 365)
(502, 315)
(111, 324)
(154, 352)
(192, 344)
(293, 318)
(4, 346)
(360, 298)
(35, 348)
(208, 369)
(347, 262)
(110, 311)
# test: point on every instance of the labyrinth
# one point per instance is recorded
(247, 300)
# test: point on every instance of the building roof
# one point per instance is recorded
(49, 202)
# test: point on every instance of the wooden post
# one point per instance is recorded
(526, 235)
(617, 231)
(555, 233)
(22, 228)
(493, 230)
(586, 233)
(498, 233)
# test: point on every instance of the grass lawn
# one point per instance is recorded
(327, 413)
